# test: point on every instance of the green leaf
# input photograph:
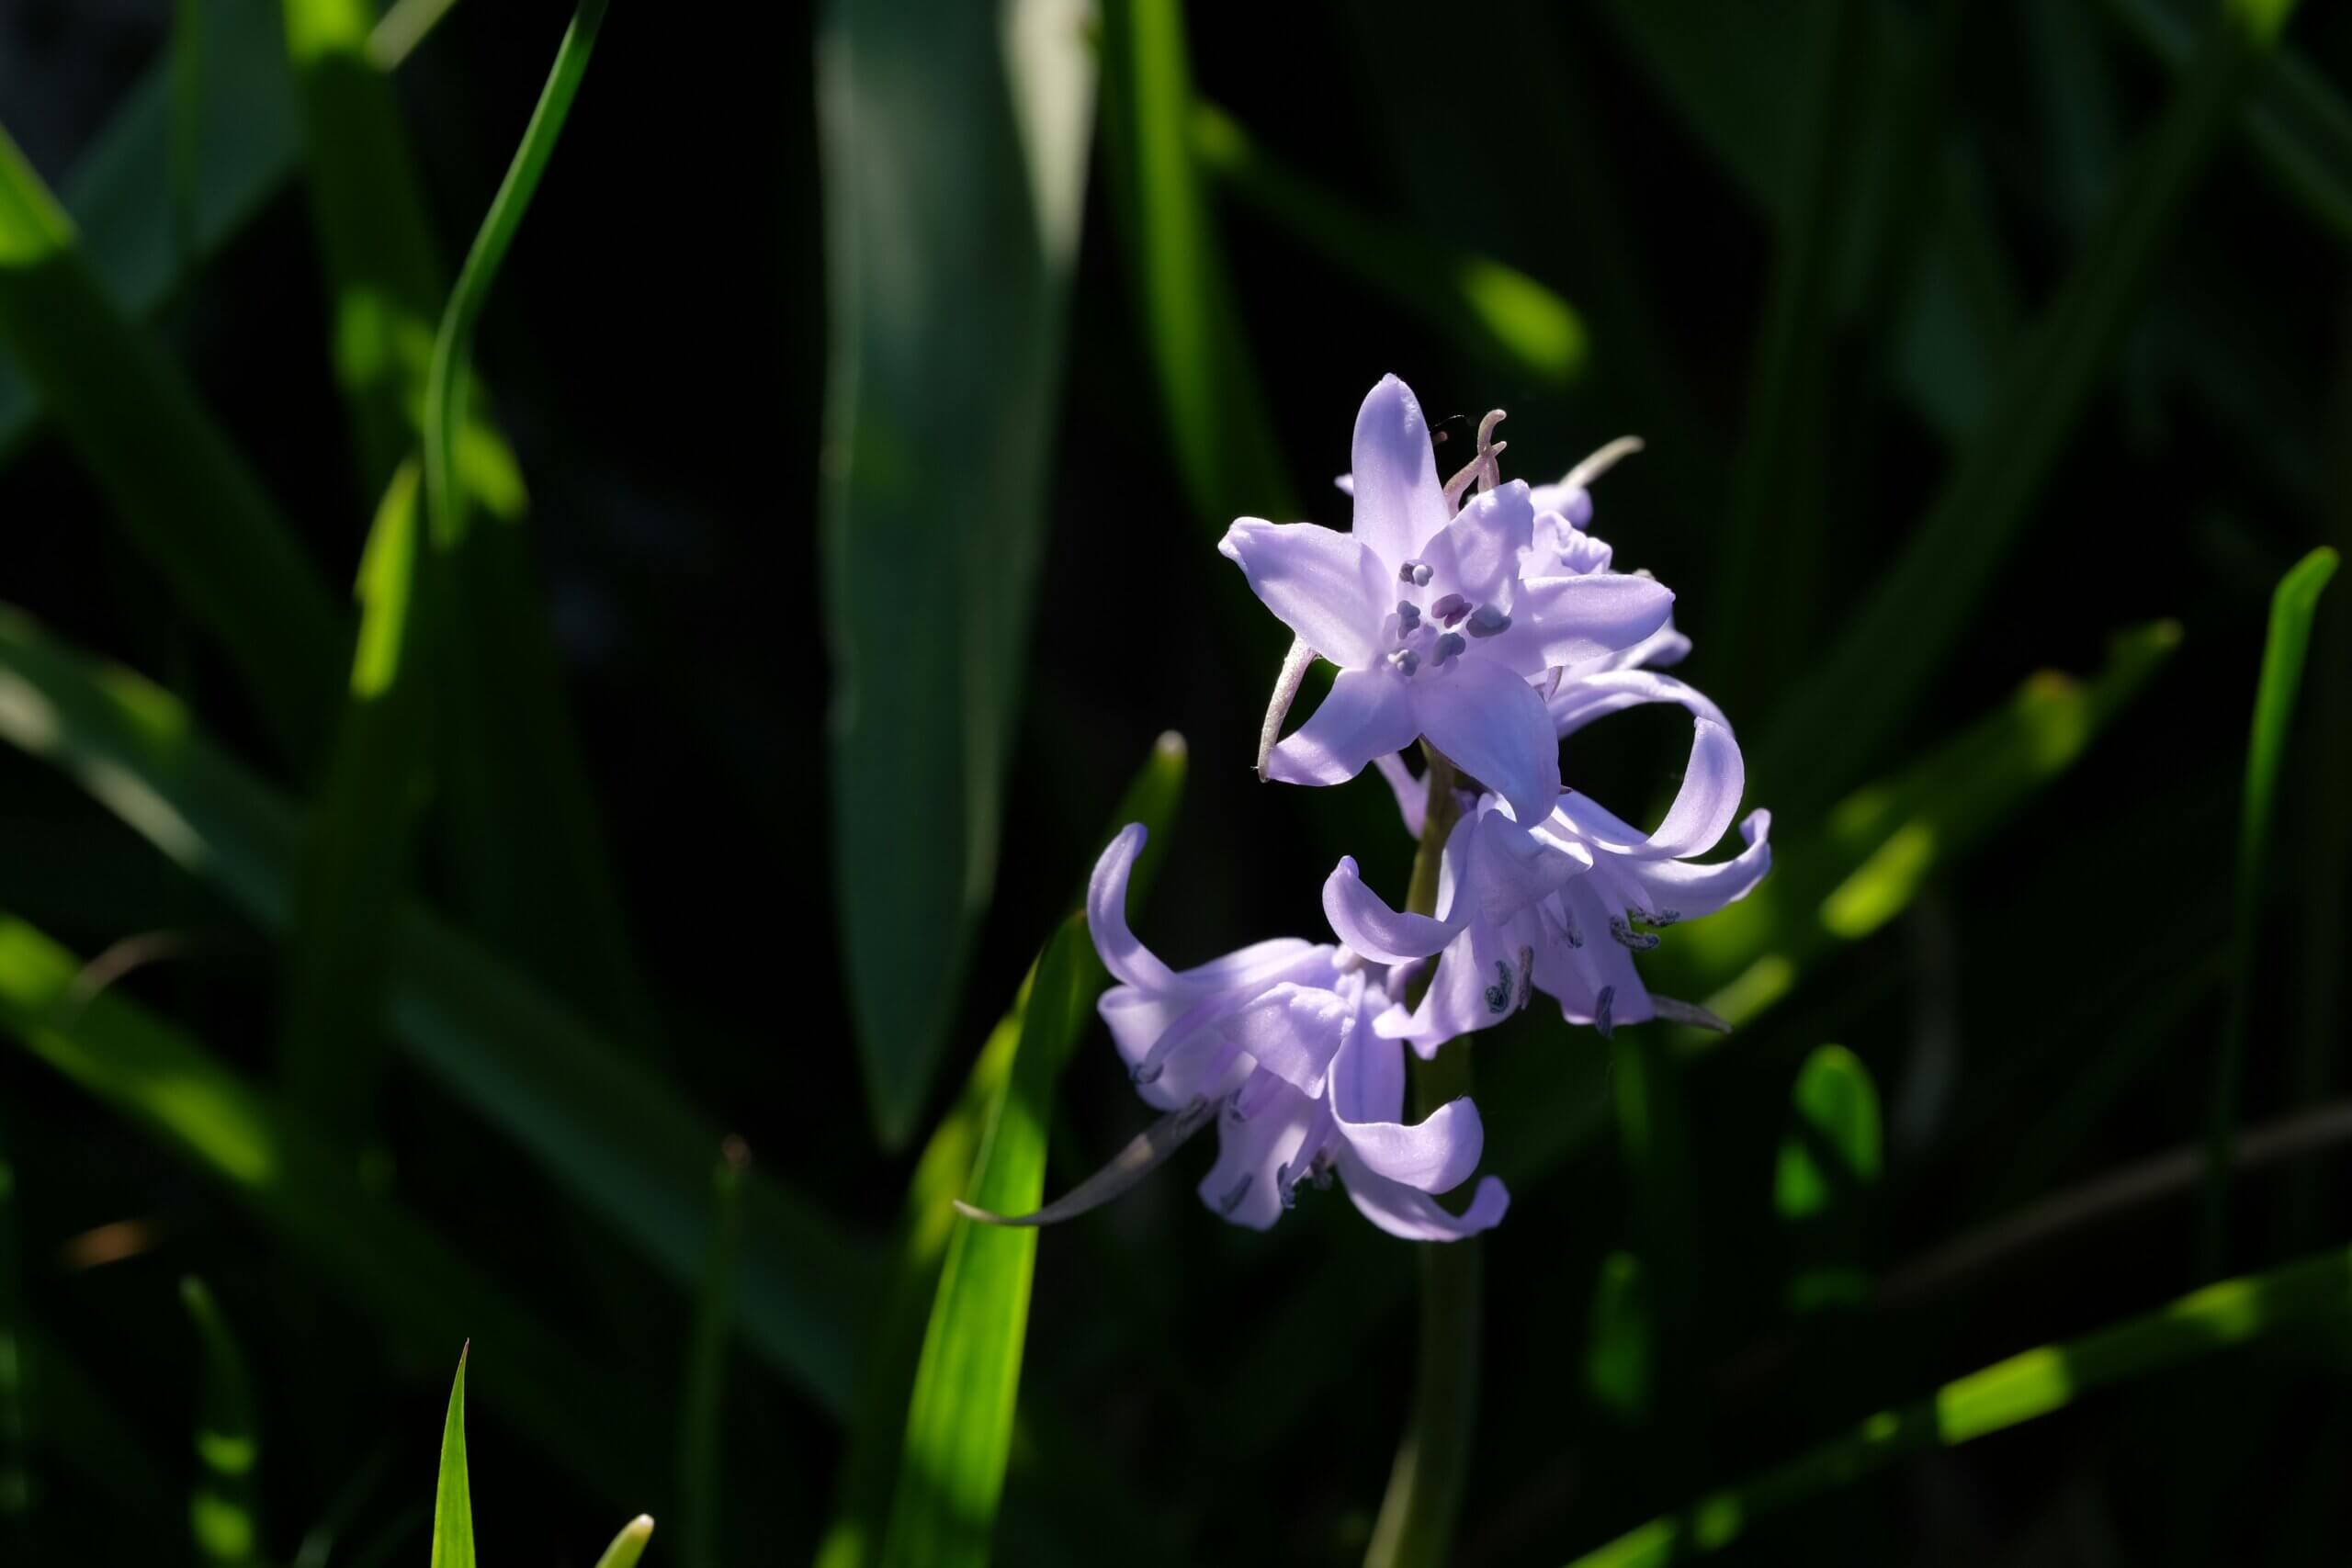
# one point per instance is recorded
(1621, 1350)
(700, 1479)
(1829, 1162)
(382, 1259)
(124, 194)
(959, 1421)
(1210, 396)
(357, 840)
(608, 1128)
(453, 1504)
(2292, 605)
(222, 1511)
(629, 1545)
(894, 1346)
(953, 144)
(182, 495)
(1495, 310)
(2035, 1384)
(1830, 727)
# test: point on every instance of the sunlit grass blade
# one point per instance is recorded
(453, 1504)
(1620, 1350)
(629, 1545)
(2297, 122)
(15, 1351)
(612, 1132)
(960, 1419)
(1829, 1162)
(1882, 844)
(1829, 729)
(184, 497)
(700, 1487)
(1213, 404)
(2023, 1388)
(1493, 309)
(357, 839)
(383, 1260)
(954, 145)
(2292, 604)
(895, 1341)
(122, 192)
(223, 1512)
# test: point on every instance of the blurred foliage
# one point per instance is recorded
(822, 532)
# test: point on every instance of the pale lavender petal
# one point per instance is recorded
(1677, 890)
(1292, 1032)
(1399, 502)
(1367, 714)
(1412, 793)
(1482, 978)
(1477, 554)
(1322, 584)
(1140, 1020)
(1126, 958)
(1345, 484)
(1364, 920)
(1436, 1154)
(1585, 697)
(1709, 798)
(1416, 1216)
(1493, 727)
(1579, 973)
(1244, 1185)
(1510, 868)
(1568, 620)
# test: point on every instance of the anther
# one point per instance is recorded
(1601, 1020)
(1148, 1072)
(1408, 615)
(1407, 661)
(1639, 942)
(1487, 621)
(1526, 978)
(1415, 572)
(1450, 644)
(1499, 994)
(1451, 609)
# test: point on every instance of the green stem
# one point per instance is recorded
(1424, 1499)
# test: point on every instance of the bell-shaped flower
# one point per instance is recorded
(1276, 1044)
(1557, 907)
(1431, 616)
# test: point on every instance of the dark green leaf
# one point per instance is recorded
(453, 1505)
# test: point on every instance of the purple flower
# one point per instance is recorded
(1279, 1038)
(1432, 616)
(1554, 907)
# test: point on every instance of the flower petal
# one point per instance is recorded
(1482, 978)
(1320, 584)
(1709, 798)
(1477, 554)
(1399, 502)
(1510, 868)
(1677, 890)
(1416, 1216)
(1139, 1020)
(1585, 697)
(1292, 1032)
(1107, 915)
(1245, 1184)
(1494, 726)
(1412, 794)
(1363, 920)
(1367, 714)
(1436, 1154)
(1567, 620)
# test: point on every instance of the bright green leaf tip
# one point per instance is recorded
(453, 1509)
(629, 1545)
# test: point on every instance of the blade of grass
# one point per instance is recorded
(1210, 396)
(700, 1481)
(2035, 1384)
(1828, 728)
(954, 168)
(453, 1504)
(612, 1130)
(221, 1509)
(383, 1260)
(629, 1545)
(894, 1346)
(1829, 1162)
(1620, 1350)
(959, 1420)
(182, 495)
(2292, 604)
(357, 839)
(1515, 324)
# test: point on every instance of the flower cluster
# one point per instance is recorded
(1485, 621)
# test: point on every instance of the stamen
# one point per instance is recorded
(1601, 462)
(1602, 1005)
(1450, 644)
(1286, 684)
(1126, 1168)
(1405, 661)
(1526, 978)
(1639, 942)
(1487, 621)
(1499, 994)
(1692, 1014)
(1415, 572)
(1408, 615)
(1451, 609)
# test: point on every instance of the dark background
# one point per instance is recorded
(657, 346)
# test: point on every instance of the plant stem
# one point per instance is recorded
(1424, 1500)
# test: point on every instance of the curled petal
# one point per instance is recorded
(1245, 1184)
(1402, 1211)
(1366, 713)
(1435, 1155)
(1690, 891)
(1412, 794)
(1364, 920)
(1585, 697)
(1292, 1032)
(1324, 585)
(1708, 799)
(1399, 502)
(1510, 868)
(1107, 915)
(1494, 726)
(1484, 975)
